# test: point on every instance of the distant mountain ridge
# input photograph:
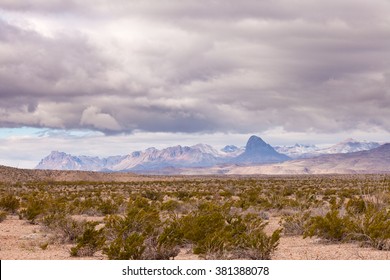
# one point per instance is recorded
(372, 161)
(307, 151)
(200, 155)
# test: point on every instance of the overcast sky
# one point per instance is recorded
(102, 77)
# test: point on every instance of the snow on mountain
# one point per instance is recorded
(199, 155)
(62, 161)
(376, 160)
(306, 151)
(298, 150)
(256, 151)
(232, 151)
(350, 146)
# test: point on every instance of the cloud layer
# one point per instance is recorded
(195, 66)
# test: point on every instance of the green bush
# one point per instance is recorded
(372, 228)
(215, 233)
(108, 207)
(128, 247)
(363, 222)
(9, 203)
(89, 242)
(356, 206)
(331, 227)
(170, 205)
(35, 208)
(138, 235)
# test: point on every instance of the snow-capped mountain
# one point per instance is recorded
(298, 150)
(62, 161)
(307, 151)
(232, 151)
(374, 161)
(350, 146)
(200, 155)
(255, 152)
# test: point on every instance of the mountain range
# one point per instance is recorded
(203, 158)
(306, 151)
(200, 155)
(372, 161)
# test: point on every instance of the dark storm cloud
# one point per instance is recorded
(196, 66)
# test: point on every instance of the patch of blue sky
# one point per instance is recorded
(45, 132)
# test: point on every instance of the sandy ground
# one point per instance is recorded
(20, 240)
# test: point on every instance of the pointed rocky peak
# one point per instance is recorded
(255, 143)
(258, 151)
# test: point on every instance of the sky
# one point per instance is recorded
(107, 77)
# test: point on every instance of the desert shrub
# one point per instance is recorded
(52, 220)
(139, 234)
(3, 215)
(170, 205)
(254, 243)
(206, 229)
(183, 195)
(9, 203)
(372, 227)
(35, 208)
(89, 242)
(160, 248)
(66, 228)
(356, 206)
(295, 224)
(363, 222)
(197, 226)
(127, 247)
(331, 227)
(215, 233)
(216, 245)
(172, 235)
(258, 245)
(152, 195)
(254, 197)
(108, 207)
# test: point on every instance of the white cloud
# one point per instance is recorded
(92, 116)
(182, 66)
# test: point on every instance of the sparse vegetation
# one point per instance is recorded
(215, 218)
(9, 203)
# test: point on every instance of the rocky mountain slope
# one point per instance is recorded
(372, 161)
(200, 155)
(257, 151)
(306, 151)
(258, 157)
